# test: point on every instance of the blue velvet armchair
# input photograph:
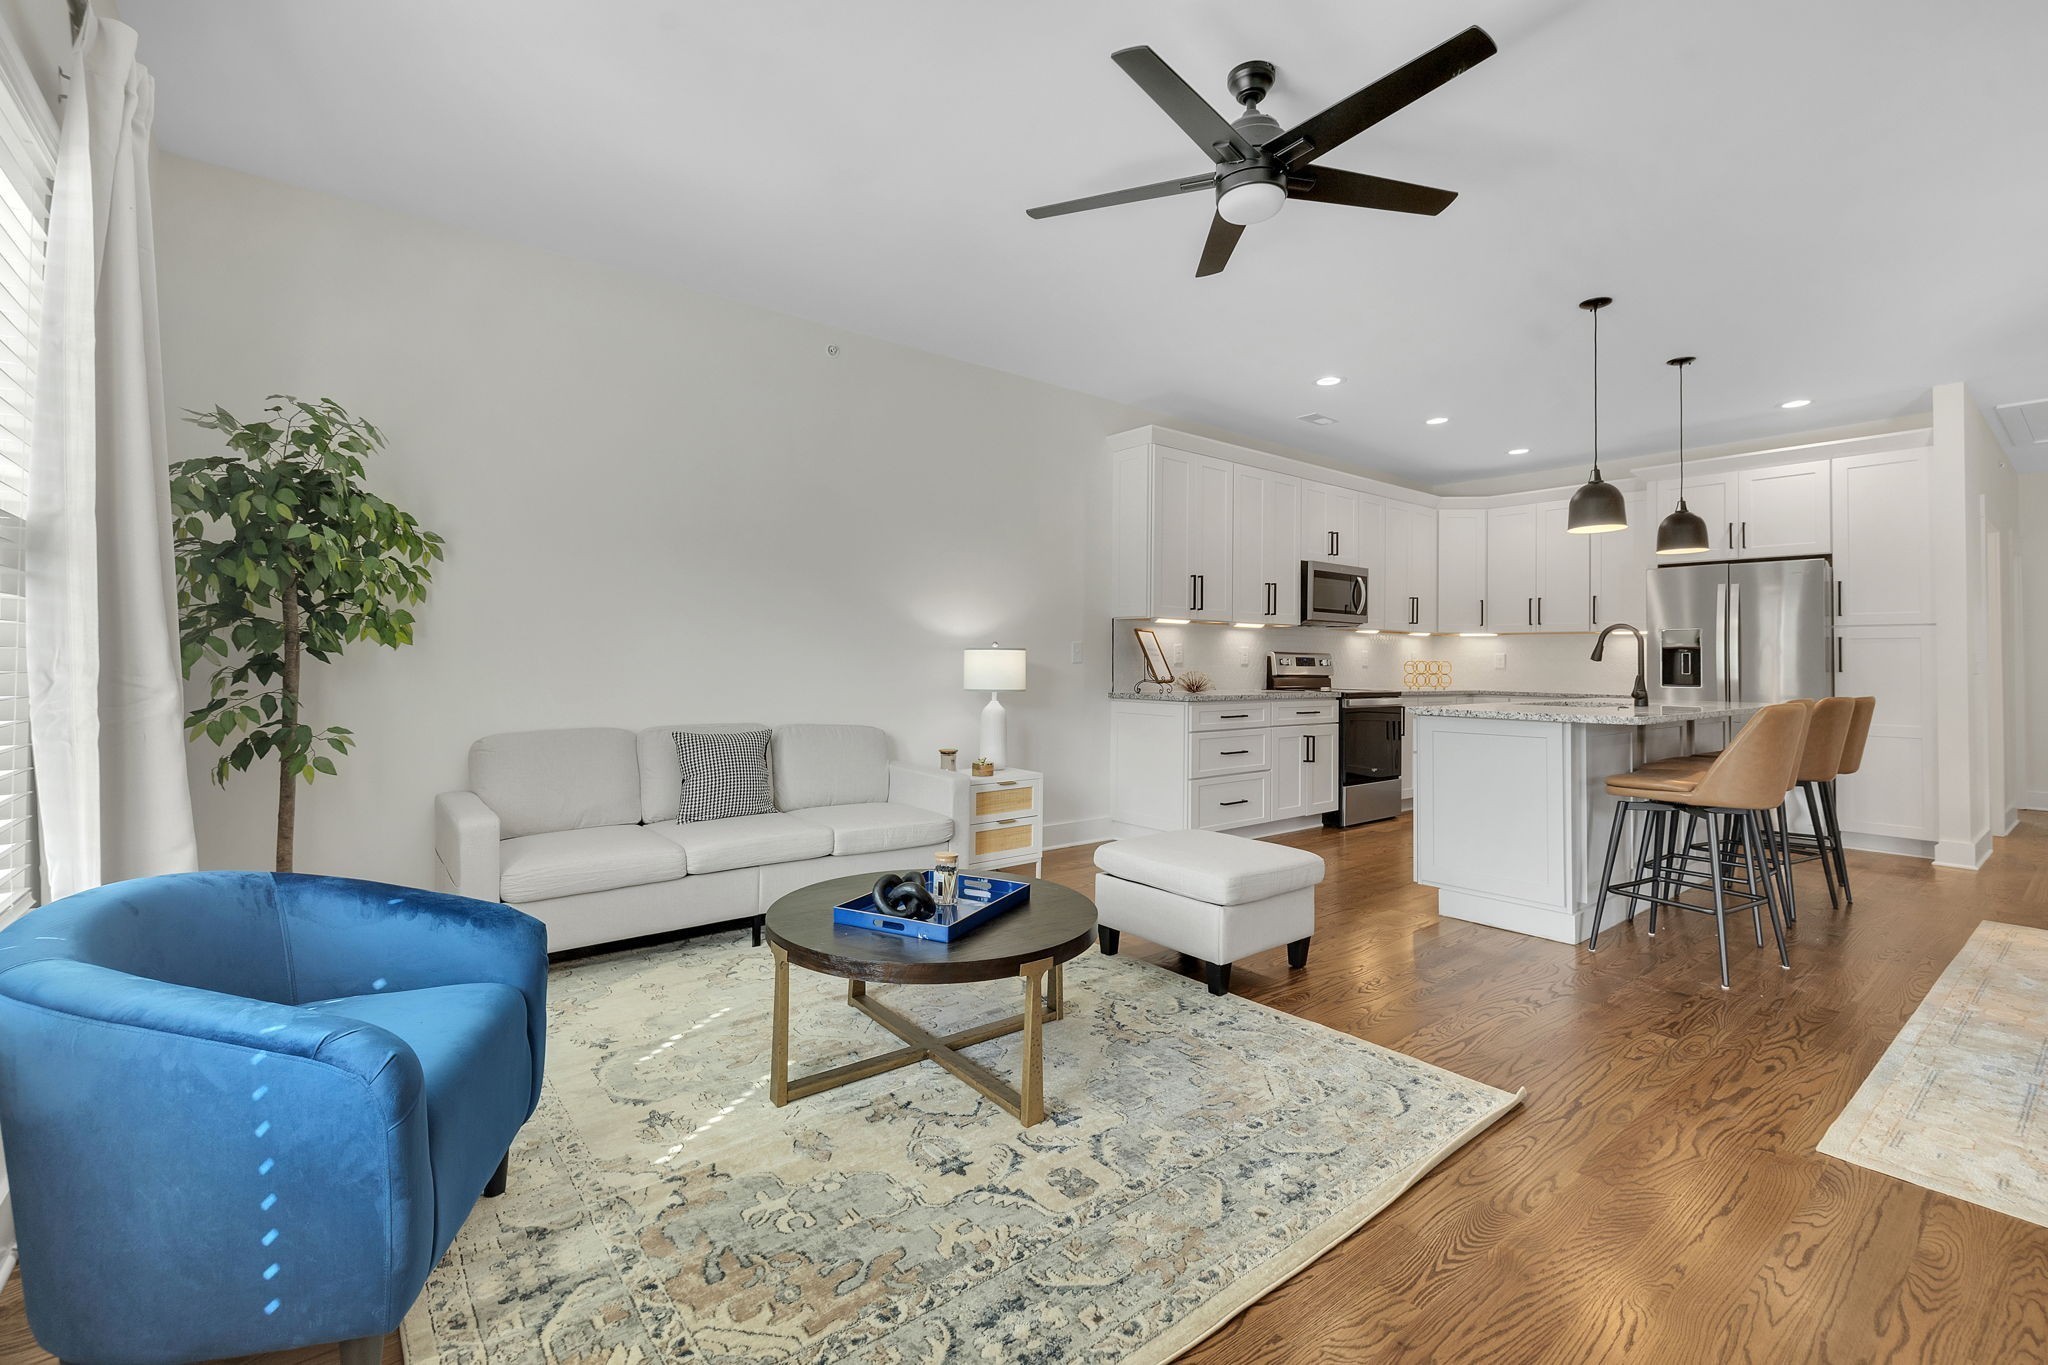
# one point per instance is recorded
(246, 1112)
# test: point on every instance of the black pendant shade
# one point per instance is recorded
(1683, 532)
(1598, 505)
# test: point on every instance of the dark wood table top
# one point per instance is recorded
(1058, 923)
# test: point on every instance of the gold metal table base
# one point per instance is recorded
(1044, 1000)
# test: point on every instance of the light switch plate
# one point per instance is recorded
(1180, 652)
(1500, 661)
(1074, 654)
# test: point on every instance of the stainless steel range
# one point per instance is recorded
(1372, 731)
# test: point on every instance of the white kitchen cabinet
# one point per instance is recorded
(1882, 508)
(1265, 547)
(1329, 523)
(1511, 569)
(1621, 562)
(1564, 569)
(1461, 569)
(1409, 568)
(1709, 496)
(1782, 511)
(1367, 550)
(1893, 794)
(1171, 514)
(1304, 770)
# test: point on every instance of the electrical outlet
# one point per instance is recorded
(1074, 654)
(1500, 661)
(1244, 656)
(1180, 652)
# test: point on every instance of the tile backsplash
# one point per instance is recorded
(1235, 660)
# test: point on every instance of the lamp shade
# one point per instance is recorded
(1597, 506)
(1684, 532)
(994, 669)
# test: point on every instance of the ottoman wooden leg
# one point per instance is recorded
(1111, 939)
(1297, 954)
(1217, 974)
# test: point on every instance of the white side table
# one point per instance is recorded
(1006, 821)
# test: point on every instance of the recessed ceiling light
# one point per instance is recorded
(1435, 421)
(1329, 380)
(1796, 403)
(1519, 450)
(1317, 419)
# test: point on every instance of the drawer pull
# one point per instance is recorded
(1233, 753)
(1240, 715)
(1006, 784)
(1241, 801)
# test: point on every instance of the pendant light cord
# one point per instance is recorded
(1681, 435)
(1596, 395)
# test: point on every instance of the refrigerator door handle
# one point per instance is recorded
(1735, 642)
(1721, 636)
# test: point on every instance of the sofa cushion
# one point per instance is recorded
(724, 775)
(570, 862)
(878, 826)
(472, 1044)
(746, 841)
(661, 778)
(544, 780)
(1221, 869)
(830, 765)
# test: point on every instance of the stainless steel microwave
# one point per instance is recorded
(1333, 594)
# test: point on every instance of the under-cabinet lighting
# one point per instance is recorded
(1366, 630)
(1170, 621)
(1478, 634)
(1248, 625)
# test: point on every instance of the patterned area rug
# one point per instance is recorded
(1959, 1101)
(1198, 1152)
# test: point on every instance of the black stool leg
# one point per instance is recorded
(1720, 897)
(1820, 841)
(1753, 833)
(1827, 801)
(1607, 873)
(1777, 825)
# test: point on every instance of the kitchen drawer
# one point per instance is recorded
(1004, 799)
(1233, 751)
(1226, 802)
(1018, 837)
(1230, 715)
(1305, 712)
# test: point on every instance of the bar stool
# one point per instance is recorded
(1735, 795)
(1827, 739)
(1852, 760)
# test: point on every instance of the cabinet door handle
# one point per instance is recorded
(1745, 535)
(1202, 589)
(1838, 598)
(1539, 611)
(1596, 608)
(1731, 535)
(1192, 603)
(1838, 654)
(1233, 753)
(1308, 713)
(1482, 613)
(1529, 610)
(1241, 715)
(1241, 801)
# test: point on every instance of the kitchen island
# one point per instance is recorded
(1511, 804)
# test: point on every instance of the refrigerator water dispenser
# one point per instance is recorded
(1680, 650)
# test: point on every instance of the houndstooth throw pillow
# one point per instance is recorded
(724, 774)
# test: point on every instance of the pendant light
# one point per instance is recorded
(1598, 505)
(1683, 532)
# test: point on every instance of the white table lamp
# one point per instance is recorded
(993, 670)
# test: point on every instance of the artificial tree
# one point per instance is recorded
(282, 555)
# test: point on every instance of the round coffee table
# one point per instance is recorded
(1032, 942)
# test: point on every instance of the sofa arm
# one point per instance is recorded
(466, 845)
(350, 937)
(941, 793)
(280, 1157)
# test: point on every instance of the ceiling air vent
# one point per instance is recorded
(1317, 419)
(2026, 424)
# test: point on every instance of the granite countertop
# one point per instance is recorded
(1586, 712)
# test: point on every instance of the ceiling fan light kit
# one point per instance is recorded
(1598, 505)
(1259, 166)
(1684, 532)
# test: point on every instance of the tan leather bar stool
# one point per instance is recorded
(1734, 795)
(1852, 760)
(1826, 744)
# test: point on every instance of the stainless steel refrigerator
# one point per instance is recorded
(1743, 632)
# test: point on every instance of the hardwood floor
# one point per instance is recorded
(1657, 1197)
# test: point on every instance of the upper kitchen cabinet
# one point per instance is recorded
(1265, 547)
(1511, 568)
(1461, 569)
(1564, 569)
(1329, 524)
(1170, 513)
(1782, 511)
(1408, 571)
(1712, 498)
(1884, 539)
(1620, 561)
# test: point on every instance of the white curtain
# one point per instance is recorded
(105, 701)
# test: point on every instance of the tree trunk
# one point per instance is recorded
(287, 773)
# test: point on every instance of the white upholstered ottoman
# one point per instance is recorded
(1214, 897)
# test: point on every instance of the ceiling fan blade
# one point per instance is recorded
(1216, 251)
(1129, 196)
(1328, 185)
(1196, 117)
(1390, 94)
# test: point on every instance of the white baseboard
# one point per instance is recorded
(2010, 822)
(1094, 829)
(1966, 855)
(1896, 847)
(2034, 800)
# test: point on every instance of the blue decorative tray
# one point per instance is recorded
(981, 900)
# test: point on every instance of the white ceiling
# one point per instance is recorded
(1834, 199)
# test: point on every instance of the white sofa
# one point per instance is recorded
(578, 827)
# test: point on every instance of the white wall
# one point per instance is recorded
(660, 506)
(2032, 612)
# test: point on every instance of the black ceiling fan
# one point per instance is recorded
(1260, 166)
